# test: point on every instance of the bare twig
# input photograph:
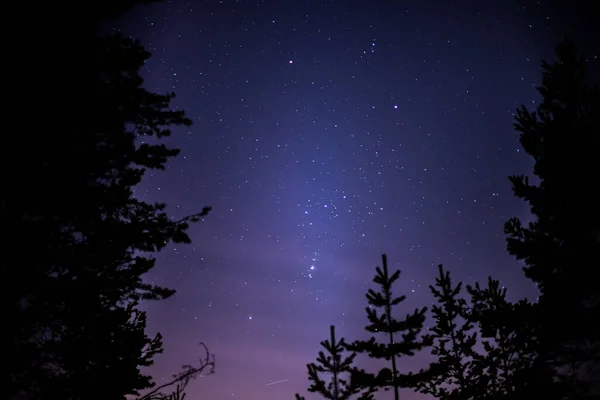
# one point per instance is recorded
(188, 373)
(195, 217)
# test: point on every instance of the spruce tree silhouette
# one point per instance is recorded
(460, 371)
(79, 234)
(457, 370)
(507, 333)
(561, 247)
(384, 323)
(339, 366)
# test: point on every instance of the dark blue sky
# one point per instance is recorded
(327, 133)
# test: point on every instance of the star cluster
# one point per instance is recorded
(326, 133)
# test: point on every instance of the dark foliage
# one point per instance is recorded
(561, 247)
(339, 366)
(383, 322)
(509, 336)
(77, 240)
(457, 371)
(461, 372)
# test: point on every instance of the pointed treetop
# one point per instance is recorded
(333, 362)
(381, 321)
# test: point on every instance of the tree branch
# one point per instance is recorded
(187, 374)
(195, 217)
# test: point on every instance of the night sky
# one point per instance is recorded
(325, 134)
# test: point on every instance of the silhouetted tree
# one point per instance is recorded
(384, 323)
(461, 372)
(339, 366)
(457, 372)
(561, 247)
(509, 335)
(77, 239)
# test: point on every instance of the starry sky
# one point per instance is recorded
(326, 133)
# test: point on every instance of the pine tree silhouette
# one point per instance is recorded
(508, 334)
(78, 240)
(455, 374)
(561, 247)
(384, 323)
(337, 365)
(460, 371)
